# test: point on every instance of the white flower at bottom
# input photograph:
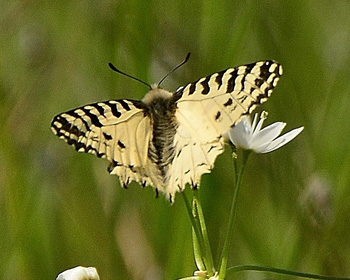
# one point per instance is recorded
(249, 136)
(79, 273)
(215, 277)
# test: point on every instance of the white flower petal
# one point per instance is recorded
(268, 134)
(240, 134)
(251, 136)
(257, 128)
(252, 125)
(282, 140)
(79, 273)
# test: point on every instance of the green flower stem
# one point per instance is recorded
(197, 253)
(197, 205)
(229, 234)
(235, 269)
(201, 248)
(194, 223)
(235, 164)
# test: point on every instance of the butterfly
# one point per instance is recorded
(168, 140)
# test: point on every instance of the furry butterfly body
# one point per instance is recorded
(168, 140)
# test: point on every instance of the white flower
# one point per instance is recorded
(201, 273)
(215, 277)
(79, 273)
(249, 136)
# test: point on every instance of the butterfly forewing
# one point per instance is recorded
(134, 135)
(117, 130)
(219, 101)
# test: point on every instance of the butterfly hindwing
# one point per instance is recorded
(192, 159)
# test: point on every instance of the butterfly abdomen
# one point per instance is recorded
(161, 147)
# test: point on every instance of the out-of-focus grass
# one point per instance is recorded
(59, 209)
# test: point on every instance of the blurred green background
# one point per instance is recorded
(60, 209)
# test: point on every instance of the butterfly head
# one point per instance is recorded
(156, 92)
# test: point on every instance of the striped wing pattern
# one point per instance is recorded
(122, 130)
(208, 108)
(117, 130)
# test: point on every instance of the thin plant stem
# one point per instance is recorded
(197, 253)
(209, 257)
(194, 223)
(235, 269)
(235, 163)
(229, 234)
(192, 212)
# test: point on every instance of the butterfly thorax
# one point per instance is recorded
(161, 110)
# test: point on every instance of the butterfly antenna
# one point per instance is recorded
(178, 66)
(127, 75)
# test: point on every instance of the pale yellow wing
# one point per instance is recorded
(118, 130)
(208, 108)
